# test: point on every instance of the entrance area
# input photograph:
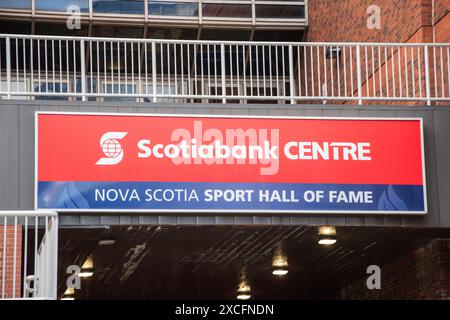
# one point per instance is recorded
(256, 262)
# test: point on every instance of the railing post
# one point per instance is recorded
(83, 71)
(291, 74)
(154, 69)
(222, 64)
(54, 259)
(358, 73)
(8, 68)
(427, 76)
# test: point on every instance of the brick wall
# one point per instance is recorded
(8, 268)
(346, 20)
(401, 21)
(422, 274)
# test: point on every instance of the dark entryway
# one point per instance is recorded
(208, 262)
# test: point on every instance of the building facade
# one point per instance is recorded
(251, 58)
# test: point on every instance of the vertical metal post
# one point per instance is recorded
(8, 67)
(200, 12)
(427, 76)
(83, 71)
(54, 258)
(358, 74)
(253, 13)
(291, 74)
(222, 64)
(154, 69)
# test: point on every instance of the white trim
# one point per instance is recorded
(309, 212)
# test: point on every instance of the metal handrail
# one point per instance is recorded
(152, 70)
(43, 262)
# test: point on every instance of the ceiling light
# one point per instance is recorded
(327, 235)
(86, 273)
(280, 265)
(67, 298)
(280, 262)
(243, 287)
(106, 241)
(327, 231)
(327, 240)
(280, 272)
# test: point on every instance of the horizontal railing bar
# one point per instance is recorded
(246, 43)
(28, 213)
(228, 97)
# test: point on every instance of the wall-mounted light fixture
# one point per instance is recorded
(332, 52)
(280, 265)
(327, 235)
(244, 289)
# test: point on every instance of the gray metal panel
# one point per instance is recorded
(9, 154)
(442, 133)
(26, 163)
(17, 165)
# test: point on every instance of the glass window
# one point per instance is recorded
(277, 36)
(16, 4)
(226, 34)
(280, 11)
(166, 89)
(91, 87)
(15, 27)
(51, 87)
(62, 5)
(121, 89)
(227, 10)
(16, 86)
(172, 33)
(188, 9)
(118, 6)
(55, 29)
(117, 32)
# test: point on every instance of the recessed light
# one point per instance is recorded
(86, 273)
(327, 231)
(327, 241)
(106, 241)
(280, 272)
(243, 296)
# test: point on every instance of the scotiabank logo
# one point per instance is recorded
(111, 148)
(251, 146)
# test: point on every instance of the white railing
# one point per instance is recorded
(28, 254)
(147, 70)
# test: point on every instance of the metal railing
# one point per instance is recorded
(28, 254)
(148, 70)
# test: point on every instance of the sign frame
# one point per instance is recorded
(281, 212)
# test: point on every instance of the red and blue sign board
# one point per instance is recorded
(187, 163)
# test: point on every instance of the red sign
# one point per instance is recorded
(256, 151)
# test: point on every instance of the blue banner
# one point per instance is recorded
(205, 196)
